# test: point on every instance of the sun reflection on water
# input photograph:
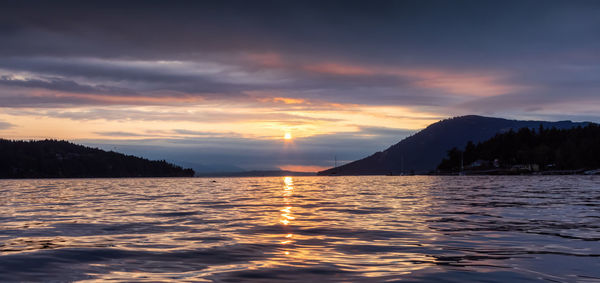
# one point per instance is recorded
(233, 229)
(286, 215)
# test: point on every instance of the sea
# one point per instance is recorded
(302, 229)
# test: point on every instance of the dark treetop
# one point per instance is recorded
(62, 159)
(530, 150)
(422, 152)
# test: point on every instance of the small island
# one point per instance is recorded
(529, 151)
(62, 159)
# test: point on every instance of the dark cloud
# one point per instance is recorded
(561, 98)
(377, 29)
(5, 125)
(107, 47)
(146, 77)
(59, 84)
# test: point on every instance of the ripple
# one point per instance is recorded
(348, 229)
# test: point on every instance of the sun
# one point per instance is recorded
(287, 136)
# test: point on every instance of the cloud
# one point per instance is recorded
(120, 134)
(5, 125)
(204, 114)
(383, 131)
(551, 97)
(189, 133)
(344, 72)
(60, 84)
(431, 53)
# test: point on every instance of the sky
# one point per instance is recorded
(218, 84)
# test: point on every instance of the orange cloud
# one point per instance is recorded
(296, 103)
(288, 100)
(477, 84)
(340, 69)
(266, 59)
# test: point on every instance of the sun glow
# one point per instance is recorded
(287, 136)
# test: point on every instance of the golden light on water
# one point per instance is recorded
(280, 222)
(286, 215)
(289, 183)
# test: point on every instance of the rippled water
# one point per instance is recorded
(452, 229)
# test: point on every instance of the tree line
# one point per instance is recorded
(62, 159)
(542, 149)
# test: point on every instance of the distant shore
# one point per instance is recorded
(495, 172)
(512, 173)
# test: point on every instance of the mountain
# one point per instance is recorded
(62, 159)
(423, 151)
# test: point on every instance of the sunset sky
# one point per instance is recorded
(220, 83)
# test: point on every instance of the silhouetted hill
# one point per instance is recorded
(529, 150)
(423, 151)
(62, 159)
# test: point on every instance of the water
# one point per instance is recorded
(438, 229)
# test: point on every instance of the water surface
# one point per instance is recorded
(413, 229)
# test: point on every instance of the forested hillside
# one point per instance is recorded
(62, 159)
(532, 149)
(423, 151)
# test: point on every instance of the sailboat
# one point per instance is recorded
(335, 165)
